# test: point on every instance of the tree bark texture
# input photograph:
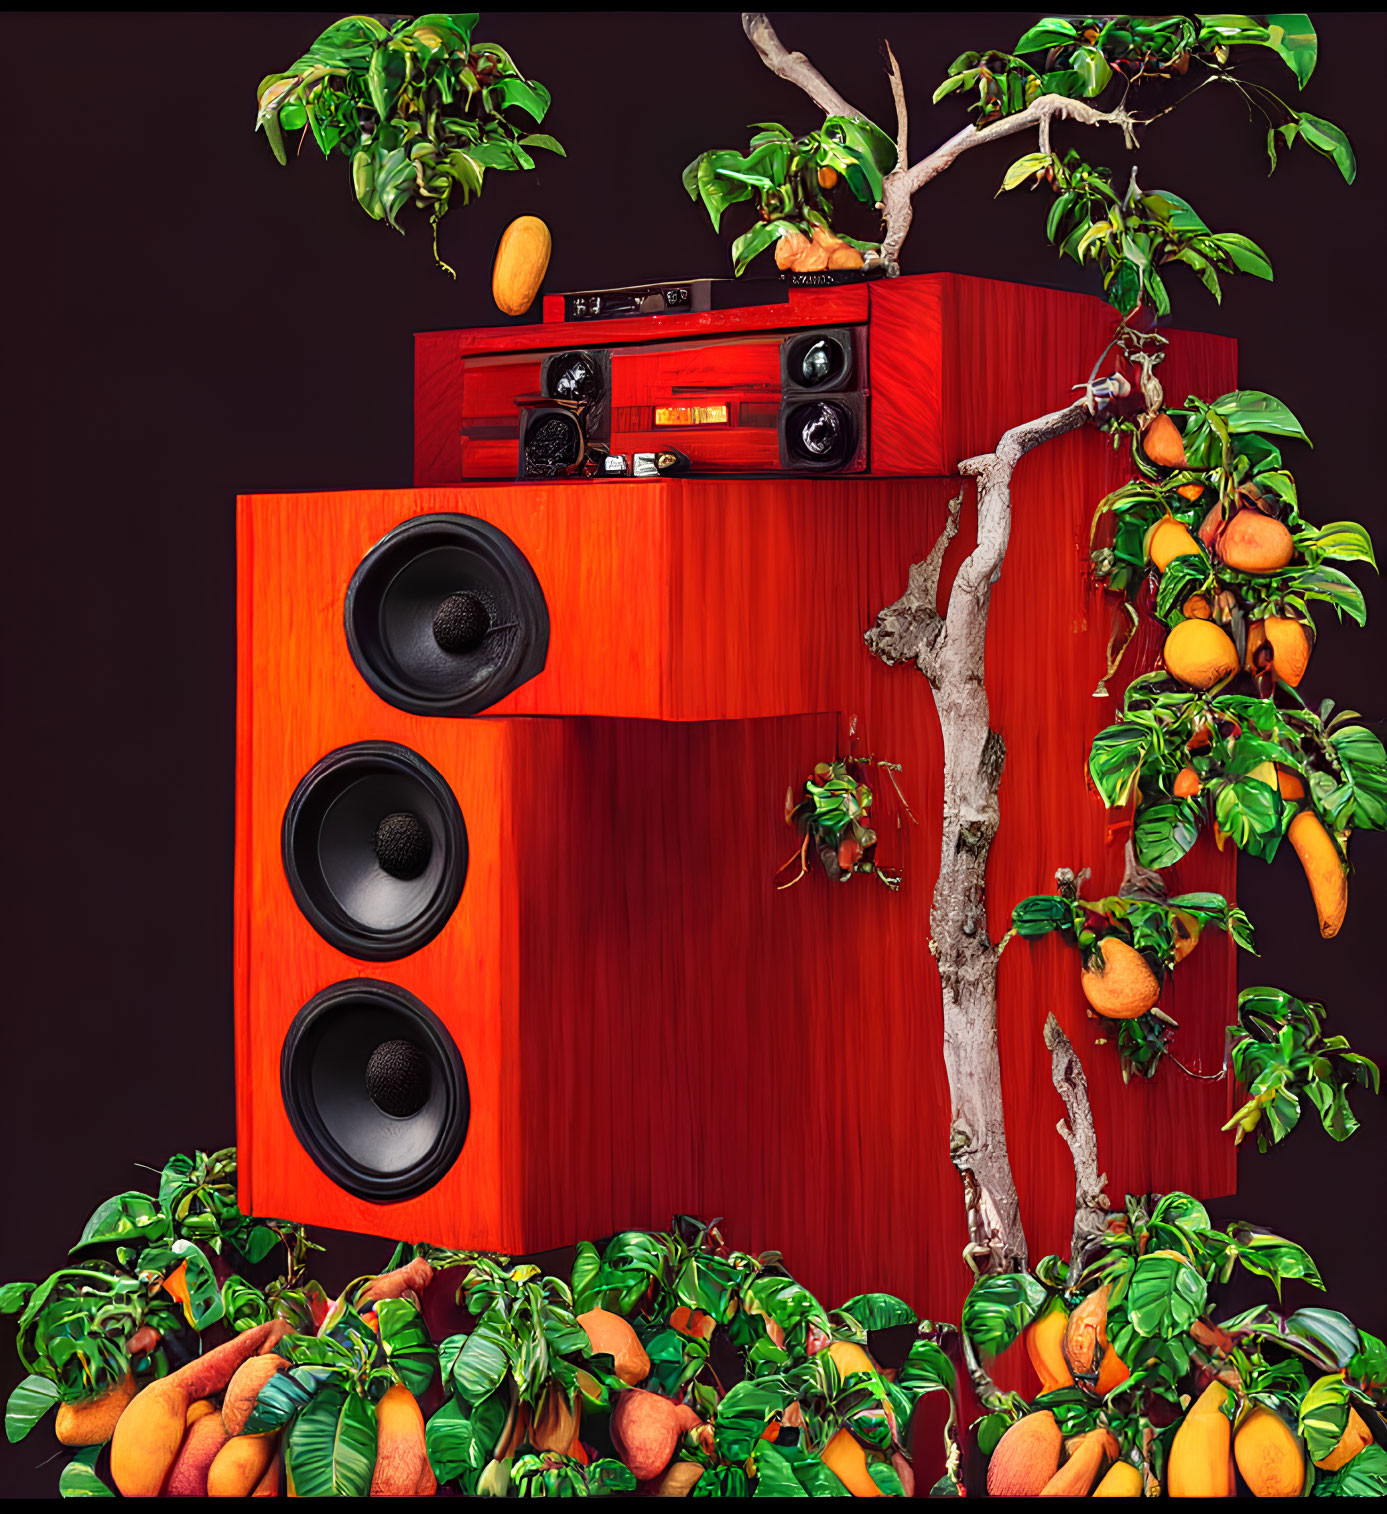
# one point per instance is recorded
(950, 650)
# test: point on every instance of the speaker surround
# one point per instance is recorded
(375, 1089)
(375, 850)
(445, 616)
(822, 433)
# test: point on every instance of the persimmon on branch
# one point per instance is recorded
(1128, 234)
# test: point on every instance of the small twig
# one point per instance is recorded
(1090, 1202)
(898, 97)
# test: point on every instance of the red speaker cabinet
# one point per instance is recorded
(511, 966)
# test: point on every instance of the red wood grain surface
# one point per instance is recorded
(650, 1027)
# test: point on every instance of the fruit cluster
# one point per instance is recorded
(1210, 540)
(1143, 1391)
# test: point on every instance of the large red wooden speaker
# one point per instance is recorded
(512, 969)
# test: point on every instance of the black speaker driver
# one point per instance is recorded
(816, 361)
(552, 443)
(581, 378)
(821, 434)
(375, 850)
(375, 1089)
(445, 616)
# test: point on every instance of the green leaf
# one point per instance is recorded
(483, 1362)
(1115, 760)
(1040, 914)
(745, 1411)
(1163, 833)
(926, 1367)
(1293, 37)
(29, 1402)
(1324, 1415)
(754, 242)
(1025, 168)
(79, 1480)
(999, 1308)
(1370, 1364)
(459, 1441)
(1277, 1258)
(1343, 540)
(1327, 1328)
(879, 1311)
(1247, 256)
(1165, 1295)
(14, 1296)
(540, 139)
(1250, 410)
(1364, 1477)
(404, 1337)
(1330, 140)
(127, 1217)
(330, 1449)
(283, 1395)
(526, 95)
(1052, 32)
(587, 1263)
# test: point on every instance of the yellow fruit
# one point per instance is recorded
(1122, 1480)
(1269, 1455)
(1355, 1437)
(1167, 540)
(1162, 444)
(1255, 543)
(1287, 644)
(1198, 1464)
(1125, 987)
(522, 260)
(1199, 653)
(1324, 870)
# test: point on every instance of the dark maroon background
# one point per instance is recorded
(187, 321)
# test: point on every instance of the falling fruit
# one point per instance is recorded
(1199, 653)
(1255, 543)
(1280, 643)
(522, 259)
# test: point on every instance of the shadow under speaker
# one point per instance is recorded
(375, 1089)
(445, 616)
(375, 850)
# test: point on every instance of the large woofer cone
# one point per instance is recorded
(375, 1089)
(816, 361)
(821, 434)
(445, 616)
(375, 850)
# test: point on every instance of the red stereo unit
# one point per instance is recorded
(512, 967)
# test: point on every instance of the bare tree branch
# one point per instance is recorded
(794, 67)
(911, 627)
(902, 120)
(1090, 1202)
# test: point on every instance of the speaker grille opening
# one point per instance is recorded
(403, 845)
(397, 1078)
(460, 623)
(816, 361)
(375, 850)
(375, 1089)
(445, 616)
(574, 376)
(553, 442)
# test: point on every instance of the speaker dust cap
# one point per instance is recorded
(445, 616)
(375, 1089)
(375, 850)
(816, 362)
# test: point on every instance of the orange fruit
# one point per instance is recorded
(1355, 1437)
(1185, 929)
(1167, 540)
(1199, 653)
(828, 177)
(1288, 646)
(1255, 543)
(846, 1459)
(1196, 607)
(1187, 783)
(1324, 870)
(1125, 986)
(1162, 444)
